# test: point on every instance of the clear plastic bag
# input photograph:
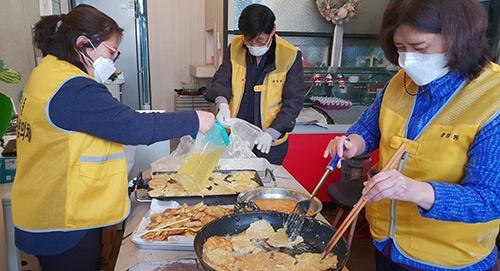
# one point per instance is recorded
(242, 137)
(174, 161)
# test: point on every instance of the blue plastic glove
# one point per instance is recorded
(224, 114)
(263, 142)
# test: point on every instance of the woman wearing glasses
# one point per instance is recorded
(71, 173)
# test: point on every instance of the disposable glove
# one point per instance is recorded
(263, 142)
(224, 114)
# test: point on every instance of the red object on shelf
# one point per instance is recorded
(306, 163)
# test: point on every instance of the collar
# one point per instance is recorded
(446, 85)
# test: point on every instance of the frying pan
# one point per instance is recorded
(316, 234)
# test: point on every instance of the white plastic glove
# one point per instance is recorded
(263, 142)
(224, 114)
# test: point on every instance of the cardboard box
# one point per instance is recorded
(8, 167)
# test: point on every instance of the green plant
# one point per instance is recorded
(9, 75)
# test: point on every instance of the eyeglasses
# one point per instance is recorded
(114, 50)
(260, 40)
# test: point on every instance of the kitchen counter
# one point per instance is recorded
(343, 118)
(129, 255)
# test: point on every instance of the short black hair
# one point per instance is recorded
(256, 19)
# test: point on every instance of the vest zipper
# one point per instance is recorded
(392, 226)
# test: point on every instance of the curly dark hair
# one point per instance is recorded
(463, 24)
(57, 34)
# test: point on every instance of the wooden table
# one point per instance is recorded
(129, 255)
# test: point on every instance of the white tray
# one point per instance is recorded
(173, 243)
(177, 242)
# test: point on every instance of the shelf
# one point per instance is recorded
(202, 71)
(350, 70)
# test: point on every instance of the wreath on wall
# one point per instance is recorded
(338, 13)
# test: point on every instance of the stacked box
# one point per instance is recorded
(7, 169)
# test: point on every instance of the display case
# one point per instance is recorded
(338, 88)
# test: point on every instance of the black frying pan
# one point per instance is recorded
(316, 234)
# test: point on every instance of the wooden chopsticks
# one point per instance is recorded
(359, 205)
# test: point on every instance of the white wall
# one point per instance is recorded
(16, 49)
(176, 36)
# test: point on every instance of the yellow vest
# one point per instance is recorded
(272, 88)
(440, 155)
(65, 180)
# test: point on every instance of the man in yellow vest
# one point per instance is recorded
(261, 81)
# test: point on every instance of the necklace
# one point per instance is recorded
(421, 89)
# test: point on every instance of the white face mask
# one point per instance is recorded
(103, 67)
(423, 68)
(260, 50)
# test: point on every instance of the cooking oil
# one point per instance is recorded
(202, 158)
(197, 168)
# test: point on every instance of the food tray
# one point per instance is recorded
(178, 242)
(174, 243)
(261, 165)
(221, 199)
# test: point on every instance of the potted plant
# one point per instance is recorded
(8, 76)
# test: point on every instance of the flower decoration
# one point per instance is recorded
(338, 13)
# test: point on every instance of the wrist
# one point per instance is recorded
(273, 133)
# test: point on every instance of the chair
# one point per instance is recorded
(347, 191)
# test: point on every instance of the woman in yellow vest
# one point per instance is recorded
(261, 81)
(71, 178)
(439, 209)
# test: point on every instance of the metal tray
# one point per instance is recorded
(222, 199)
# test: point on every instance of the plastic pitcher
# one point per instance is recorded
(202, 158)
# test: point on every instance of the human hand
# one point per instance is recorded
(263, 142)
(342, 146)
(224, 114)
(393, 185)
(206, 121)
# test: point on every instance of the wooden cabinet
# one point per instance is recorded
(214, 28)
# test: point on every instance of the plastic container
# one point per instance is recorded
(202, 158)
(190, 86)
(355, 168)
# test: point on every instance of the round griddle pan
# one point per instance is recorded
(316, 234)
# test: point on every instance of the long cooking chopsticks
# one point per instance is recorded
(359, 205)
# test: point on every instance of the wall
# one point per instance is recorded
(176, 36)
(16, 49)
(303, 16)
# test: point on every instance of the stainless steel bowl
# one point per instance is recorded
(279, 193)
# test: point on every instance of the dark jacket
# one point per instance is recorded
(293, 90)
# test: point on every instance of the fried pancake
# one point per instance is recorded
(280, 239)
(253, 262)
(215, 242)
(281, 261)
(166, 185)
(259, 229)
(219, 257)
(303, 266)
(242, 245)
(314, 259)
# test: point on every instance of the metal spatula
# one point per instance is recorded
(295, 221)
